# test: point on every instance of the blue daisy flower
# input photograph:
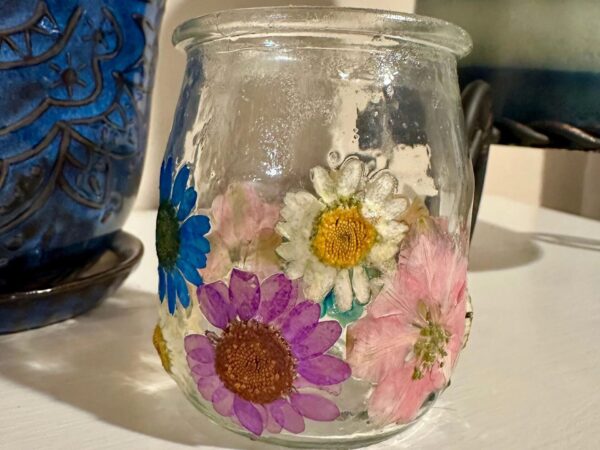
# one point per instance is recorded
(180, 243)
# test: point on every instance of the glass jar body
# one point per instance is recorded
(312, 234)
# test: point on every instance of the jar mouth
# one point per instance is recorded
(307, 20)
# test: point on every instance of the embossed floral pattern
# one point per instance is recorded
(180, 243)
(266, 366)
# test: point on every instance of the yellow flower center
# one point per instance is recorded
(342, 236)
(161, 348)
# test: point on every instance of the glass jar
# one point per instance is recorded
(313, 225)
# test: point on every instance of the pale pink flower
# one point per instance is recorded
(408, 342)
(243, 234)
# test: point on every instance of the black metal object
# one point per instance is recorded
(548, 134)
(479, 125)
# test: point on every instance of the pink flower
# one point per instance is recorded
(243, 234)
(408, 342)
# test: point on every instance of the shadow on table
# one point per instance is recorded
(104, 363)
(495, 248)
(577, 242)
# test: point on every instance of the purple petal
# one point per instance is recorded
(275, 294)
(301, 382)
(315, 407)
(301, 321)
(296, 297)
(199, 348)
(248, 415)
(214, 303)
(324, 370)
(208, 385)
(244, 292)
(319, 341)
(222, 400)
(286, 416)
(201, 370)
(270, 423)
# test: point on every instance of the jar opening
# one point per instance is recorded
(303, 20)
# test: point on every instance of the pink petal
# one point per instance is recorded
(248, 415)
(208, 385)
(199, 348)
(433, 264)
(222, 400)
(324, 370)
(260, 256)
(214, 303)
(219, 263)
(244, 292)
(399, 297)
(398, 398)
(301, 321)
(275, 297)
(377, 347)
(286, 416)
(315, 407)
(318, 341)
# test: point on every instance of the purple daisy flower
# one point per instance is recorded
(267, 365)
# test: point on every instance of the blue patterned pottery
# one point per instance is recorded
(75, 81)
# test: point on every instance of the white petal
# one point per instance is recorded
(382, 254)
(295, 269)
(318, 280)
(350, 177)
(286, 229)
(324, 185)
(360, 284)
(292, 251)
(298, 204)
(394, 207)
(299, 213)
(391, 231)
(343, 291)
(379, 189)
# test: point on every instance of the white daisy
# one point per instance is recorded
(347, 238)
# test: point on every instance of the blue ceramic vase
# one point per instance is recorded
(75, 85)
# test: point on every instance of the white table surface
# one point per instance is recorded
(528, 379)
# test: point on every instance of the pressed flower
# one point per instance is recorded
(180, 243)
(242, 234)
(268, 360)
(408, 342)
(161, 348)
(347, 237)
(329, 308)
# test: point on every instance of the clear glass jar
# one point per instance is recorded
(312, 233)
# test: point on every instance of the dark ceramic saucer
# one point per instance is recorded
(79, 292)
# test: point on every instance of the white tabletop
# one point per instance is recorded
(528, 379)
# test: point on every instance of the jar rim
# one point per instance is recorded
(290, 20)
